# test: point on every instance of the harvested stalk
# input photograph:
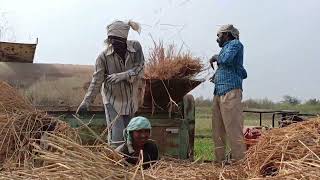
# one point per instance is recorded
(167, 64)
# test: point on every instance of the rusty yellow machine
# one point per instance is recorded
(59, 88)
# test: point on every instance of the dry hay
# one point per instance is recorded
(180, 170)
(19, 123)
(17, 131)
(290, 152)
(69, 160)
(11, 100)
(169, 64)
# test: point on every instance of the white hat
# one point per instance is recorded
(229, 28)
(121, 29)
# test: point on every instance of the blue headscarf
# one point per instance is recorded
(136, 123)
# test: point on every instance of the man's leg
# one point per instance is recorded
(117, 130)
(115, 136)
(126, 120)
(219, 132)
(109, 116)
(231, 110)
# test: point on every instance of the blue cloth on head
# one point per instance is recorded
(136, 123)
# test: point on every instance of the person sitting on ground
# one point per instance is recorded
(137, 138)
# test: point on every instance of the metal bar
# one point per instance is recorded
(260, 114)
(273, 116)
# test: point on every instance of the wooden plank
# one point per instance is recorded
(17, 52)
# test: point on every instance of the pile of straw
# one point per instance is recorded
(179, 169)
(10, 99)
(17, 131)
(19, 124)
(293, 151)
(69, 160)
(167, 64)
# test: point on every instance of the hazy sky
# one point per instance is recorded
(281, 37)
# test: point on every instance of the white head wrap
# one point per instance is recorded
(121, 29)
(229, 28)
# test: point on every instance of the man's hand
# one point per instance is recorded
(213, 59)
(212, 78)
(83, 108)
(117, 77)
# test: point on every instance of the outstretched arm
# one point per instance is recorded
(97, 79)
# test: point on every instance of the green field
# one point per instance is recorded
(204, 143)
(204, 120)
(203, 149)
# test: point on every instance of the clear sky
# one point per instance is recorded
(281, 37)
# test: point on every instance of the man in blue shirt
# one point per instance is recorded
(227, 121)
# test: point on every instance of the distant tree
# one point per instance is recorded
(312, 101)
(267, 103)
(251, 103)
(291, 100)
(258, 103)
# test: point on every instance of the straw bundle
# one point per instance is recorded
(293, 151)
(69, 160)
(17, 130)
(179, 169)
(19, 123)
(10, 100)
(167, 64)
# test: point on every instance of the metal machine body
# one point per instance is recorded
(174, 135)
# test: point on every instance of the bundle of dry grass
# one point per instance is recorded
(69, 160)
(19, 123)
(179, 169)
(19, 128)
(10, 100)
(291, 152)
(169, 64)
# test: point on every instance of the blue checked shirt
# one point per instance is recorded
(230, 72)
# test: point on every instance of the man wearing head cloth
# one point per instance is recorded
(118, 72)
(227, 121)
(137, 138)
